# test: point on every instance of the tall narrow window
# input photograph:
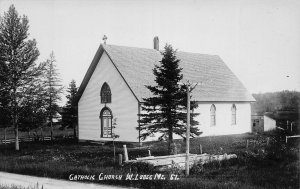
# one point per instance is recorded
(106, 122)
(105, 94)
(212, 115)
(233, 115)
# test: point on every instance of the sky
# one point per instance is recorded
(259, 40)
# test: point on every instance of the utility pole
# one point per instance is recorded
(188, 121)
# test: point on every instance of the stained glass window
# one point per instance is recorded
(105, 94)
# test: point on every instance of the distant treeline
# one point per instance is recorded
(274, 101)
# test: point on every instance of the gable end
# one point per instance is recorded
(91, 70)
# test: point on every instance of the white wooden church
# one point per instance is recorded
(114, 87)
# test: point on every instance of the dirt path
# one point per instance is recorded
(47, 183)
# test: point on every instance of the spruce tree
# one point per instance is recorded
(69, 114)
(165, 111)
(53, 90)
(18, 68)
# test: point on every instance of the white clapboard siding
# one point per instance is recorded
(124, 105)
(223, 118)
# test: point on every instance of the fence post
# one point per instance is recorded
(125, 152)
(149, 152)
(42, 135)
(5, 135)
(120, 159)
(247, 144)
(200, 148)
(268, 141)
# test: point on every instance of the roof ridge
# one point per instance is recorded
(123, 46)
(154, 50)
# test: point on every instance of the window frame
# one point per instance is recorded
(105, 94)
(102, 122)
(233, 115)
(213, 120)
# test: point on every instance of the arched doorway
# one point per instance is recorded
(106, 123)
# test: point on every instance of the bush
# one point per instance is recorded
(140, 167)
(278, 149)
(197, 169)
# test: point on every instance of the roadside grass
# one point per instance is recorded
(16, 187)
(258, 166)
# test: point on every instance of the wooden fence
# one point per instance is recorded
(293, 136)
(31, 139)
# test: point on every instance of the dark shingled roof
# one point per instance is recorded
(216, 82)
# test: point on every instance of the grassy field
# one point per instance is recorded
(36, 132)
(259, 166)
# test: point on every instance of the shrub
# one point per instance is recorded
(140, 167)
(196, 169)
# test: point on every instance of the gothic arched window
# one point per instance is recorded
(212, 115)
(233, 114)
(105, 94)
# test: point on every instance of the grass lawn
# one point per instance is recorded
(258, 166)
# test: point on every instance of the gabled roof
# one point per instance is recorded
(216, 81)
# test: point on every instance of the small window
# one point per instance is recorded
(105, 94)
(212, 115)
(233, 115)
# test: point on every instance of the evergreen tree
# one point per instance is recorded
(34, 114)
(165, 111)
(4, 95)
(70, 113)
(5, 119)
(18, 56)
(53, 89)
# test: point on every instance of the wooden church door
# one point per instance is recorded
(106, 122)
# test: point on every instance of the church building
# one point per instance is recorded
(114, 87)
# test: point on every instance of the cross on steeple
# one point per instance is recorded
(104, 39)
